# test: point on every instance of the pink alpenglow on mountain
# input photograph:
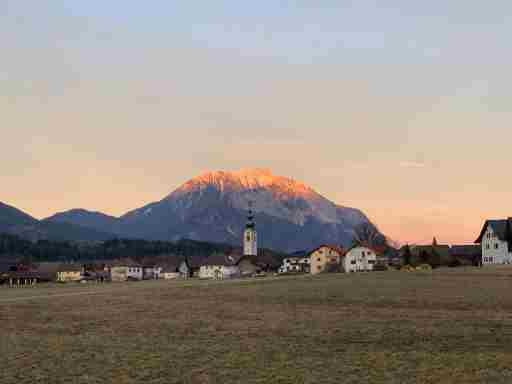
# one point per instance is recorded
(290, 216)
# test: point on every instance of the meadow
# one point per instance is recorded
(445, 326)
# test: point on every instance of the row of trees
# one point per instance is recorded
(15, 248)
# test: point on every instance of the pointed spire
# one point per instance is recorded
(434, 242)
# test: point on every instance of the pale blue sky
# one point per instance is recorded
(399, 108)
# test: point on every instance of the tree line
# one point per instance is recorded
(15, 248)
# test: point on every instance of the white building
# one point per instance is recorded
(122, 271)
(496, 241)
(250, 236)
(359, 258)
(219, 267)
(295, 265)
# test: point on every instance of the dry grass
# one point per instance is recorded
(444, 326)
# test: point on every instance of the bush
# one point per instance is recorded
(407, 268)
(424, 267)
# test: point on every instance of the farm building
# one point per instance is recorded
(125, 270)
(47, 271)
(496, 241)
(150, 272)
(219, 266)
(359, 259)
(69, 272)
(325, 258)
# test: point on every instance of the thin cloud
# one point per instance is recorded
(412, 164)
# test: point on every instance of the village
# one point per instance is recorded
(493, 246)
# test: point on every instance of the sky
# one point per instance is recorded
(399, 108)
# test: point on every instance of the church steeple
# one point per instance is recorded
(250, 234)
(250, 218)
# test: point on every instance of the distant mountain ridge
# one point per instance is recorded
(212, 207)
(85, 218)
(17, 222)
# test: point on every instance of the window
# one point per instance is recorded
(487, 246)
(319, 259)
(362, 253)
(496, 246)
(371, 261)
(319, 267)
(352, 262)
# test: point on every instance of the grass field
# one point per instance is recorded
(446, 326)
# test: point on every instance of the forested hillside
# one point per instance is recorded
(12, 247)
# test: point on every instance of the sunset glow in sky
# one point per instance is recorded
(399, 108)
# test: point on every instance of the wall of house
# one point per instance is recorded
(218, 272)
(118, 273)
(66, 276)
(321, 258)
(359, 259)
(122, 273)
(494, 251)
(169, 275)
(135, 273)
(150, 273)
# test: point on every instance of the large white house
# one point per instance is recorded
(126, 270)
(359, 258)
(219, 266)
(496, 241)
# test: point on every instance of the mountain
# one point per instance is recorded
(17, 222)
(11, 217)
(85, 218)
(212, 207)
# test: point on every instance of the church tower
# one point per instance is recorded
(250, 235)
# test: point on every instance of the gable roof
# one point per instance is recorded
(378, 250)
(68, 267)
(334, 248)
(502, 228)
(169, 268)
(221, 259)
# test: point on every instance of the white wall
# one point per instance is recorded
(218, 272)
(359, 259)
(491, 254)
(169, 275)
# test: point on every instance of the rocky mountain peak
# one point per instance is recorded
(248, 179)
